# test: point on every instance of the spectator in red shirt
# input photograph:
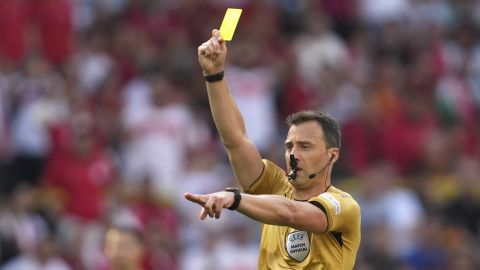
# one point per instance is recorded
(82, 172)
(79, 175)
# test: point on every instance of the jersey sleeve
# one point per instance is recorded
(273, 180)
(341, 209)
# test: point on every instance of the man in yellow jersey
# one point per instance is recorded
(308, 223)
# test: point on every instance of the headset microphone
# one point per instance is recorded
(311, 176)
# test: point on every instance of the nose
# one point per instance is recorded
(293, 151)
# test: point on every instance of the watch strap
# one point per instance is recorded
(214, 77)
(236, 198)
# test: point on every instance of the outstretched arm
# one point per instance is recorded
(243, 154)
(268, 209)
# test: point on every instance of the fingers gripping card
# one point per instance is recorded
(229, 23)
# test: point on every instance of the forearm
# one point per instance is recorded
(226, 115)
(278, 210)
(269, 209)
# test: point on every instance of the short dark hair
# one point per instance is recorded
(330, 127)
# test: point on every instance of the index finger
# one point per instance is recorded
(196, 198)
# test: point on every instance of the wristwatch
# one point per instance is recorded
(214, 77)
(236, 198)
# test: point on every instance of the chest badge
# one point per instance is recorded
(297, 244)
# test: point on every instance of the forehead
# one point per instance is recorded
(114, 236)
(309, 131)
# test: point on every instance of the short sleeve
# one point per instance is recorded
(342, 210)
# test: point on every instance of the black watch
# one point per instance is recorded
(236, 198)
(214, 77)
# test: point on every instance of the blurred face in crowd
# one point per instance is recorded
(245, 54)
(46, 248)
(123, 249)
(162, 90)
(24, 198)
(83, 137)
(83, 145)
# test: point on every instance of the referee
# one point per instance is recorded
(308, 223)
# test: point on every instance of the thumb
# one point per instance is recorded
(216, 34)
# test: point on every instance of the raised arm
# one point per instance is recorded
(244, 156)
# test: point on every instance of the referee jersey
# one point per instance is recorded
(283, 247)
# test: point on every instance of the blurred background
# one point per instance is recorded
(104, 124)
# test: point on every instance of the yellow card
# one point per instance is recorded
(230, 23)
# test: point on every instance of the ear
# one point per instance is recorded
(334, 154)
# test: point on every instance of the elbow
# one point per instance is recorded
(230, 143)
(233, 141)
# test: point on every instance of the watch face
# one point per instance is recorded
(232, 189)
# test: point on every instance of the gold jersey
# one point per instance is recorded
(283, 247)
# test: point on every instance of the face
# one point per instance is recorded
(306, 142)
(162, 90)
(122, 249)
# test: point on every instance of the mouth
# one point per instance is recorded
(297, 170)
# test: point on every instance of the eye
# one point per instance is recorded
(305, 146)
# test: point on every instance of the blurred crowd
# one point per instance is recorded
(104, 124)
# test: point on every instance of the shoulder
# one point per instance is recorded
(342, 210)
(340, 194)
(273, 180)
(346, 200)
(271, 167)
